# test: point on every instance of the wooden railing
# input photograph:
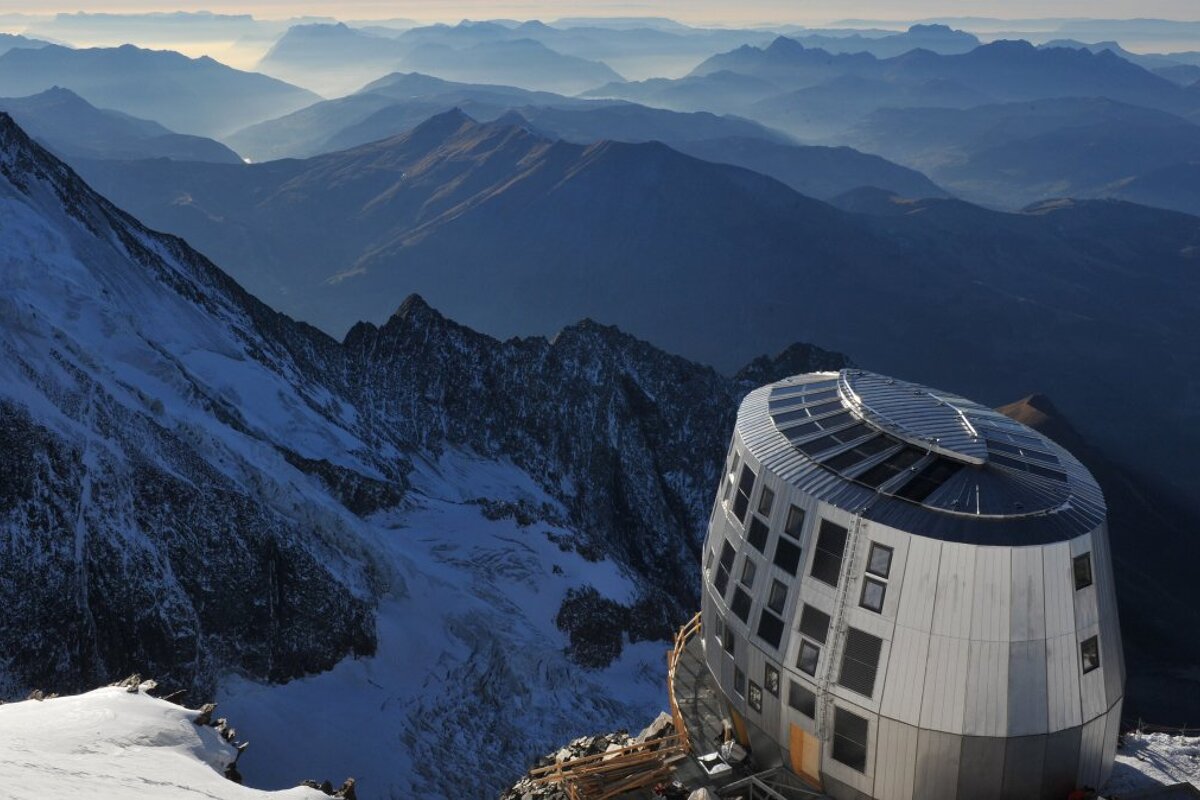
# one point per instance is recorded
(681, 639)
(606, 775)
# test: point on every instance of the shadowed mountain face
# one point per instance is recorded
(1153, 538)
(518, 234)
(70, 126)
(1020, 153)
(188, 95)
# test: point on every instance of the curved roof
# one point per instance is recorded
(919, 459)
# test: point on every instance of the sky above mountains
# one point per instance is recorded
(694, 11)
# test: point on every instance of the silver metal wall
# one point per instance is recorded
(979, 690)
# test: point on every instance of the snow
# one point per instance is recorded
(476, 618)
(1148, 760)
(109, 744)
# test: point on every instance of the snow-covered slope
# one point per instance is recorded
(425, 530)
(1148, 760)
(109, 744)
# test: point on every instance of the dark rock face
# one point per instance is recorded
(196, 536)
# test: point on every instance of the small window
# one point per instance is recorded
(719, 629)
(872, 595)
(741, 503)
(757, 534)
(879, 561)
(860, 662)
(771, 680)
(809, 655)
(850, 739)
(749, 570)
(1083, 571)
(770, 628)
(729, 641)
(727, 555)
(814, 623)
(787, 556)
(1089, 654)
(777, 599)
(827, 560)
(739, 681)
(712, 556)
(754, 697)
(740, 605)
(722, 580)
(802, 699)
(765, 501)
(795, 522)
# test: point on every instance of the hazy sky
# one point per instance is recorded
(800, 11)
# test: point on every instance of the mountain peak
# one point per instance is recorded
(784, 45)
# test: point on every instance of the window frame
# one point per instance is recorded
(765, 494)
(891, 552)
(771, 596)
(840, 735)
(771, 676)
(795, 512)
(1091, 643)
(1085, 559)
(748, 565)
(808, 694)
(869, 581)
(754, 696)
(805, 644)
(739, 682)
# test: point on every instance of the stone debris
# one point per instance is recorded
(345, 792)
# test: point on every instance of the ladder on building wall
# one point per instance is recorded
(838, 626)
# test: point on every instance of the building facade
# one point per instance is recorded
(909, 595)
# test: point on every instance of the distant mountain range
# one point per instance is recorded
(73, 128)
(1015, 154)
(188, 95)
(816, 94)
(336, 58)
(9, 41)
(934, 38)
(516, 233)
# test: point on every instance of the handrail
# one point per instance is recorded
(690, 629)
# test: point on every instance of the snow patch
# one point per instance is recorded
(109, 744)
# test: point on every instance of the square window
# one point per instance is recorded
(770, 628)
(1083, 571)
(809, 655)
(795, 522)
(872, 595)
(754, 697)
(787, 556)
(708, 562)
(802, 699)
(719, 629)
(850, 739)
(814, 623)
(729, 641)
(757, 534)
(748, 572)
(879, 561)
(827, 560)
(728, 489)
(741, 604)
(739, 681)
(777, 599)
(722, 580)
(771, 680)
(765, 501)
(1089, 654)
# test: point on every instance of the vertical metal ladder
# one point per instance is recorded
(837, 638)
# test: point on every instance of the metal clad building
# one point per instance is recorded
(909, 595)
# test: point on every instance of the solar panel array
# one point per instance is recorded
(920, 445)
